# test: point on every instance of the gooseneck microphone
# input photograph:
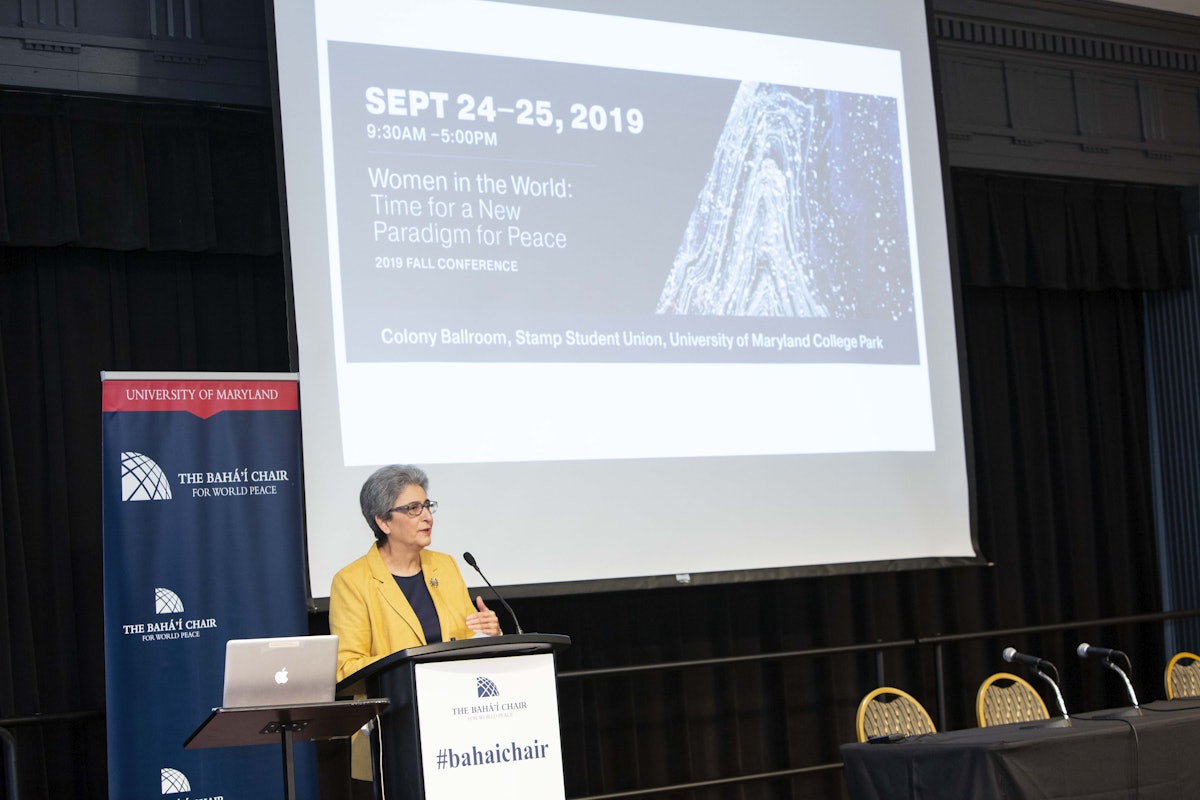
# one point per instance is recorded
(1084, 650)
(1039, 665)
(1106, 653)
(1011, 655)
(470, 559)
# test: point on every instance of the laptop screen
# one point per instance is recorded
(286, 670)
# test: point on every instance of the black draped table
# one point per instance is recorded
(1101, 755)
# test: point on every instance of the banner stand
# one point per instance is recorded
(203, 542)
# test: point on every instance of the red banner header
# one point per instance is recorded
(201, 398)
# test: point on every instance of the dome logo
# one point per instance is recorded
(142, 479)
(485, 687)
(167, 602)
(174, 781)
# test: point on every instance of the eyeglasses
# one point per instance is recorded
(414, 508)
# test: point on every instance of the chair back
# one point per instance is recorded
(887, 710)
(1005, 698)
(1182, 677)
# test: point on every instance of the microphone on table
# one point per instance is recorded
(470, 559)
(1084, 650)
(1011, 655)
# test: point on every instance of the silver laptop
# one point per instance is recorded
(286, 670)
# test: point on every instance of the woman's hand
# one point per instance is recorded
(484, 620)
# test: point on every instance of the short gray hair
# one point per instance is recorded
(381, 490)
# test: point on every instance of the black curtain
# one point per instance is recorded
(144, 237)
(135, 176)
(135, 237)
(66, 314)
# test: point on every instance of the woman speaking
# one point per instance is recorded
(399, 594)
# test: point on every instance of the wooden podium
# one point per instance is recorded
(236, 727)
(467, 718)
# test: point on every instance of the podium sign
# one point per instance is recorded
(488, 725)
(470, 718)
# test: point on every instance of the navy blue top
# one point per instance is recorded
(417, 593)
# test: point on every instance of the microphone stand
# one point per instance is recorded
(1062, 707)
(1128, 686)
(470, 559)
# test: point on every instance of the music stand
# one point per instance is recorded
(235, 727)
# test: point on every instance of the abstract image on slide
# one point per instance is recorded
(802, 213)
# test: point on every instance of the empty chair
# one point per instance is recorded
(891, 711)
(1005, 698)
(1182, 676)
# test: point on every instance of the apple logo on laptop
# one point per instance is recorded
(281, 676)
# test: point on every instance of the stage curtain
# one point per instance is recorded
(1041, 233)
(66, 314)
(136, 176)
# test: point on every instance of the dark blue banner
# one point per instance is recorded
(202, 543)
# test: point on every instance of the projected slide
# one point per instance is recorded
(722, 200)
(521, 211)
(658, 293)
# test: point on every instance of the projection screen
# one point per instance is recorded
(657, 292)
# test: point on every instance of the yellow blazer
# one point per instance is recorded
(373, 619)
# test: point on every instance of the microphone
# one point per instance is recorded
(1084, 650)
(1011, 655)
(1039, 665)
(470, 559)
